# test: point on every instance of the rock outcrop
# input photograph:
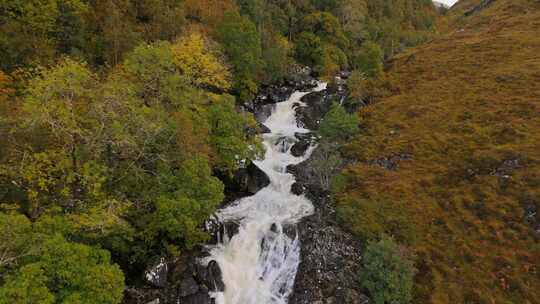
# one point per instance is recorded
(330, 257)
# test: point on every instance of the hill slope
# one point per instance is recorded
(456, 141)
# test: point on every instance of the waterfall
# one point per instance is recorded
(260, 262)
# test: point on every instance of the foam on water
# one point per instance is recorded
(260, 262)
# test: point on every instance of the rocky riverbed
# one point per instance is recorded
(330, 257)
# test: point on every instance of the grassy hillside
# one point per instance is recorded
(451, 151)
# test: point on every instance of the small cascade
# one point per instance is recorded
(259, 263)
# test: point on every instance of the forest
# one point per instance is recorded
(118, 118)
(122, 121)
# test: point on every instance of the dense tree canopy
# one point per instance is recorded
(242, 44)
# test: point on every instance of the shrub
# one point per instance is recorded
(387, 272)
(338, 125)
(369, 59)
(325, 161)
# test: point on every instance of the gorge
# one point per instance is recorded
(259, 263)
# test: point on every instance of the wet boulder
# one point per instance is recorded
(198, 298)
(262, 112)
(291, 231)
(301, 79)
(210, 276)
(300, 148)
(188, 286)
(264, 129)
(224, 230)
(252, 179)
(298, 189)
(345, 74)
(259, 128)
(317, 105)
(215, 276)
(245, 181)
(273, 94)
(156, 274)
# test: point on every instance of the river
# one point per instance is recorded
(259, 263)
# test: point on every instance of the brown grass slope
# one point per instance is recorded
(465, 109)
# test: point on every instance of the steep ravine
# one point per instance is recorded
(259, 262)
(276, 241)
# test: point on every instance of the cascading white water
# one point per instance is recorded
(259, 263)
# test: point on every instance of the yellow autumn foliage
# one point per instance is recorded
(201, 62)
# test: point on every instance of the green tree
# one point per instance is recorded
(160, 19)
(151, 71)
(254, 9)
(59, 107)
(80, 273)
(352, 15)
(34, 31)
(327, 27)
(387, 273)
(242, 45)
(309, 49)
(369, 59)
(277, 52)
(338, 125)
(15, 241)
(27, 285)
(50, 269)
(192, 196)
(114, 31)
(334, 60)
(228, 140)
(59, 100)
(356, 86)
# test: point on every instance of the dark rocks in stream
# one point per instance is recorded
(244, 182)
(300, 79)
(330, 257)
(304, 142)
(198, 298)
(219, 231)
(262, 112)
(330, 265)
(156, 274)
(264, 129)
(273, 94)
(300, 148)
(251, 179)
(297, 189)
(210, 276)
(188, 286)
(188, 281)
(317, 104)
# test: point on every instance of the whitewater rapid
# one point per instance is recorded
(260, 262)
